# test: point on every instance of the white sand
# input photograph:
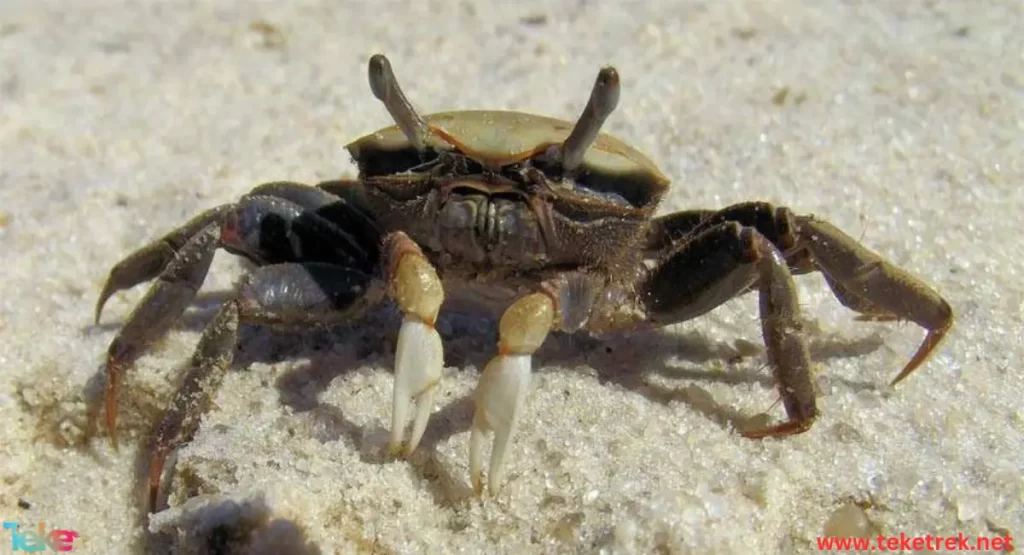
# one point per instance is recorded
(903, 124)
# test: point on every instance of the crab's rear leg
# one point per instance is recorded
(714, 266)
(869, 284)
(288, 294)
(862, 280)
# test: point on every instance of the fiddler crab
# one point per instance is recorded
(550, 222)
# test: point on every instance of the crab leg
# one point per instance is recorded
(210, 361)
(604, 97)
(775, 223)
(860, 279)
(720, 263)
(419, 356)
(502, 389)
(277, 222)
(153, 316)
(867, 283)
(281, 294)
(149, 261)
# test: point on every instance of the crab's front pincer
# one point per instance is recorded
(501, 392)
(419, 357)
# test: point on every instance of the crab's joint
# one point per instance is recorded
(501, 393)
(419, 357)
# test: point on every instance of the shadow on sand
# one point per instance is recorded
(469, 341)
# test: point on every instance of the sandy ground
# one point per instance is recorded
(902, 122)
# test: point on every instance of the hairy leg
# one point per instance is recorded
(283, 294)
(715, 266)
(277, 222)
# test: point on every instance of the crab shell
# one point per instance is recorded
(496, 139)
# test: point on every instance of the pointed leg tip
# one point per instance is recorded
(97, 311)
(111, 425)
(785, 429)
(901, 376)
(101, 301)
(110, 422)
(156, 474)
(930, 343)
(909, 369)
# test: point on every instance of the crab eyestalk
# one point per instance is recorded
(385, 87)
(603, 99)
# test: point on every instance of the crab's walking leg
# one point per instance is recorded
(149, 261)
(282, 294)
(502, 389)
(715, 266)
(419, 357)
(862, 280)
(867, 283)
(276, 222)
(164, 302)
(210, 361)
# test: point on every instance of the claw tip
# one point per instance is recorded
(101, 302)
(931, 341)
(156, 471)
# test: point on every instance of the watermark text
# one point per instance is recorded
(24, 538)
(904, 543)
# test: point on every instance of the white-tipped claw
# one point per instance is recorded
(419, 359)
(500, 396)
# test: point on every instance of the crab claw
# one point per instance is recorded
(501, 392)
(418, 291)
(500, 396)
(418, 362)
